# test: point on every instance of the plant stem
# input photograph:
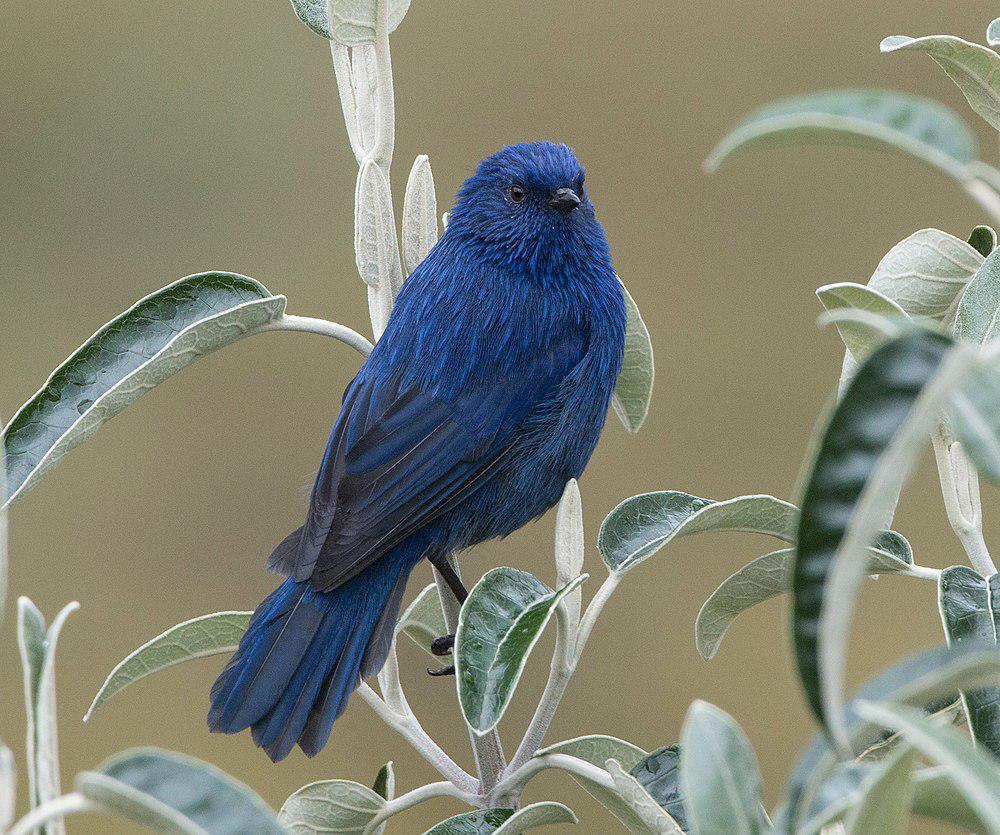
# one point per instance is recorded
(561, 671)
(307, 324)
(960, 489)
(515, 782)
(594, 610)
(385, 137)
(410, 729)
(488, 751)
(59, 807)
(412, 798)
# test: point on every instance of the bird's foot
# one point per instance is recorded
(443, 645)
(443, 671)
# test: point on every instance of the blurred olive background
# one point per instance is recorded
(141, 142)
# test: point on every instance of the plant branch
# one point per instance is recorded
(410, 729)
(412, 798)
(960, 489)
(515, 782)
(488, 751)
(594, 610)
(67, 804)
(385, 136)
(345, 87)
(307, 324)
(563, 666)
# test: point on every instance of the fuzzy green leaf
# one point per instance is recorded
(642, 808)
(971, 613)
(983, 239)
(331, 806)
(659, 774)
(916, 126)
(974, 68)
(172, 792)
(419, 214)
(385, 782)
(641, 525)
(423, 620)
(196, 638)
(134, 352)
(634, 388)
(499, 625)
(845, 295)
(720, 781)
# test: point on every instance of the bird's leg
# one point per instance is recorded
(445, 644)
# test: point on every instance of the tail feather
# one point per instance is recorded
(304, 653)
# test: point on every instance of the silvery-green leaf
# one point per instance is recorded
(936, 796)
(353, 20)
(423, 620)
(196, 638)
(419, 214)
(480, 822)
(974, 68)
(172, 792)
(375, 231)
(499, 625)
(634, 388)
(648, 815)
(38, 658)
(770, 575)
(978, 317)
(131, 354)
(976, 774)
(535, 815)
(641, 525)
(569, 547)
(331, 806)
(926, 273)
(993, 33)
(983, 239)
(385, 782)
(720, 781)
(868, 448)
(917, 126)
(971, 613)
(8, 787)
(597, 749)
(975, 417)
(885, 798)
(859, 341)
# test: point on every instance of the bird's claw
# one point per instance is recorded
(443, 645)
(442, 671)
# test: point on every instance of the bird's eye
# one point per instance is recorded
(516, 193)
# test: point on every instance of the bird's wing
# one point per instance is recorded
(398, 459)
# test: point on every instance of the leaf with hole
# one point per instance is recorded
(499, 625)
(917, 126)
(970, 613)
(641, 525)
(196, 638)
(353, 21)
(134, 352)
(171, 792)
(974, 68)
(331, 806)
(634, 388)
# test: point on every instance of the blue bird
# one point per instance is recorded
(485, 395)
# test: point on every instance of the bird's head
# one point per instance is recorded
(527, 207)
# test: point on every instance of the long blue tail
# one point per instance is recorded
(303, 655)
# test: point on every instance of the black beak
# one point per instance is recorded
(564, 199)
